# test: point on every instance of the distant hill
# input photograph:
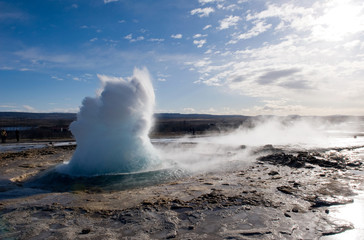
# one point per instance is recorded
(158, 116)
(73, 116)
(195, 116)
(56, 125)
(27, 115)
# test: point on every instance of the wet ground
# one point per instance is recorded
(280, 195)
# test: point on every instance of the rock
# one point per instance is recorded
(273, 173)
(287, 215)
(332, 159)
(208, 183)
(86, 231)
(286, 189)
(329, 201)
(284, 159)
(172, 234)
(295, 209)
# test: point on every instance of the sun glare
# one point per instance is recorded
(339, 21)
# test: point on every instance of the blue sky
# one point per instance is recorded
(246, 57)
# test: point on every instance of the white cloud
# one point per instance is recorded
(339, 21)
(7, 106)
(156, 40)
(129, 36)
(202, 12)
(36, 56)
(188, 110)
(199, 35)
(325, 20)
(176, 36)
(6, 68)
(208, 51)
(199, 43)
(109, 1)
(57, 78)
(140, 38)
(231, 7)
(313, 66)
(203, 2)
(11, 14)
(29, 108)
(300, 76)
(202, 63)
(259, 28)
(228, 22)
(93, 39)
(131, 39)
(64, 110)
(74, 6)
(207, 27)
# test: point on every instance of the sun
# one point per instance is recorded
(340, 19)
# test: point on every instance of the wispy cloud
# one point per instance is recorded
(302, 65)
(188, 110)
(274, 75)
(207, 27)
(36, 55)
(110, 1)
(131, 39)
(9, 12)
(258, 28)
(57, 78)
(198, 35)
(11, 16)
(156, 39)
(199, 43)
(203, 2)
(176, 36)
(202, 12)
(228, 22)
(29, 108)
(7, 106)
(6, 68)
(129, 36)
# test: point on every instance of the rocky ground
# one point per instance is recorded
(282, 195)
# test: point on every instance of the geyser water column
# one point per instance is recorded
(112, 129)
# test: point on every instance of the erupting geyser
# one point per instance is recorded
(112, 129)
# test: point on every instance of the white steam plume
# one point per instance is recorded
(112, 128)
(242, 146)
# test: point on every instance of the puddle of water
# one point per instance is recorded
(353, 213)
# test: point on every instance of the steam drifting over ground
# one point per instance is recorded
(112, 128)
(112, 135)
(261, 136)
